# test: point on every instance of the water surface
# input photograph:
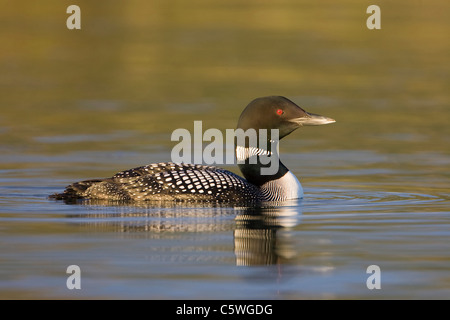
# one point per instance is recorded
(86, 104)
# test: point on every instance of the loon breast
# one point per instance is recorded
(285, 188)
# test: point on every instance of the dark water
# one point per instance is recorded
(80, 104)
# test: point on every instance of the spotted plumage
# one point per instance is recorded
(167, 181)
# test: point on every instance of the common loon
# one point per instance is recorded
(192, 182)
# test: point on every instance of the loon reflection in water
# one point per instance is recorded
(260, 233)
(188, 182)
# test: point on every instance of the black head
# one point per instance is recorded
(276, 112)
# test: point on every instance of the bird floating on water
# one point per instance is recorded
(171, 181)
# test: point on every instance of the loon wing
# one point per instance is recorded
(186, 182)
(155, 168)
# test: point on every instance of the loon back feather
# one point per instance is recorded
(166, 181)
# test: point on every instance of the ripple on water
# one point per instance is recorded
(332, 200)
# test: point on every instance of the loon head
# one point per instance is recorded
(276, 112)
(279, 113)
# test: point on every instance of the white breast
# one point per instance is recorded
(285, 188)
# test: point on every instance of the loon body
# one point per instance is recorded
(189, 182)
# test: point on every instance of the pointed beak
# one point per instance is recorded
(312, 119)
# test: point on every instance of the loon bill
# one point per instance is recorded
(189, 182)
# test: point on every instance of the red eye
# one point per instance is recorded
(280, 112)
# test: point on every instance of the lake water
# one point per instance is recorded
(82, 104)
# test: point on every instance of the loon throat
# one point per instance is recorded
(280, 185)
(266, 178)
